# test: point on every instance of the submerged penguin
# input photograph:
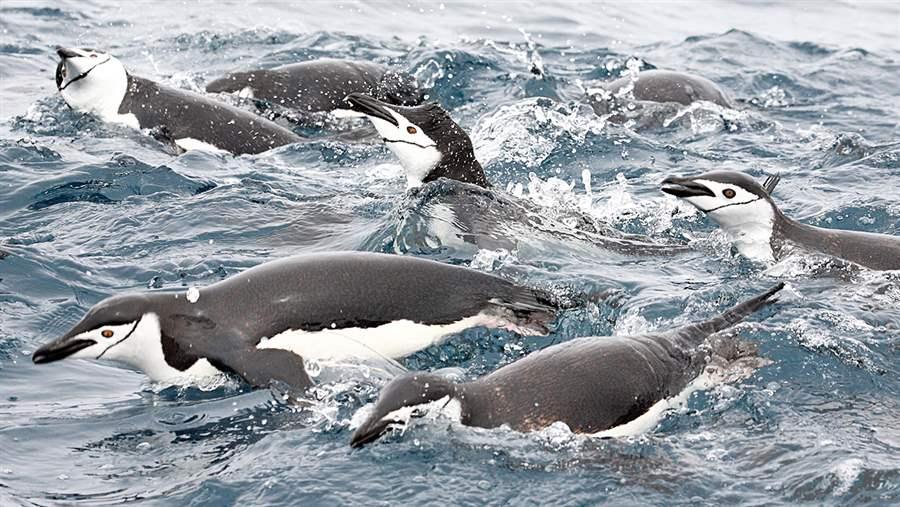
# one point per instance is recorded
(92, 81)
(660, 86)
(260, 324)
(762, 233)
(321, 85)
(593, 385)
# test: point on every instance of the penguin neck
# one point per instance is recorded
(460, 165)
(752, 232)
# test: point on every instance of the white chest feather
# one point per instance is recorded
(189, 143)
(393, 340)
(750, 229)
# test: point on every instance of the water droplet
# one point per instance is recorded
(313, 368)
(193, 294)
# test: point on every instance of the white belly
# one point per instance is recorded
(189, 143)
(655, 414)
(393, 340)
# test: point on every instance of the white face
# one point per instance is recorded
(417, 152)
(732, 205)
(746, 217)
(93, 82)
(138, 344)
(120, 342)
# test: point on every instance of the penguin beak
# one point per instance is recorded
(67, 53)
(684, 187)
(370, 106)
(60, 349)
(369, 432)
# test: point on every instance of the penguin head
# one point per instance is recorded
(401, 399)
(117, 328)
(91, 80)
(728, 197)
(427, 141)
(735, 201)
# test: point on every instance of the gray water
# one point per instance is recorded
(88, 210)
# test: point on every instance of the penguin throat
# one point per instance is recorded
(750, 229)
(143, 350)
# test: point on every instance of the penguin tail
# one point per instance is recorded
(741, 310)
(532, 311)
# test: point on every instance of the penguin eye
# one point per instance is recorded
(411, 129)
(729, 193)
(106, 333)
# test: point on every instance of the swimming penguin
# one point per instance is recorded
(591, 384)
(321, 85)
(661, 86)
(762, 233)
(261, 323)
(430, 146)
(95, 82)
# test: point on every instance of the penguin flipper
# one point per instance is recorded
(529, 311)
(164, 135)
(261, 367)
(231, 352)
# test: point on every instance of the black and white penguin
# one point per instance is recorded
(95, 82)
(759, 230)
(261, 323)
(605, 386)
(431, 146)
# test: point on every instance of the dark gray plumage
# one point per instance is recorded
(659, 86)
(591, 384)
(321, 85)
(177, 114)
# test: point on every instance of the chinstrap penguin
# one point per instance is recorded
(92, 81)
(431, 146)
(592, 384)
(261, 323)
(759, 230)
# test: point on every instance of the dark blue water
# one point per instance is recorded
(88, 210)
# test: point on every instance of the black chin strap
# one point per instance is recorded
(123, 339)
(732, 204)
(408, 142)
(83, 74)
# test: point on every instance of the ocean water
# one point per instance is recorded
(88, 210)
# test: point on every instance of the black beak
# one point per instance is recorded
(66, 53)
(370, 106)
(368, 432)
(684, 187)
(59, 349)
